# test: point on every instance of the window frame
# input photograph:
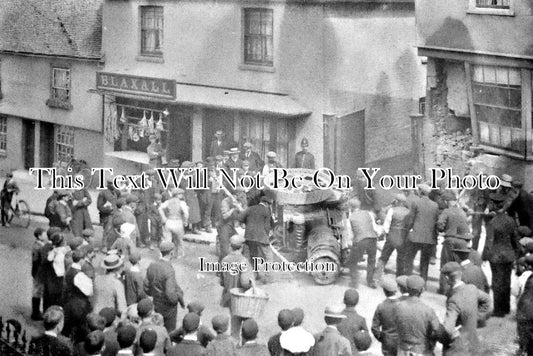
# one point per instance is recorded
(54, 101)
(473, 8)
(3, 135)
(61, 145)
(154, 54)
(263, 64)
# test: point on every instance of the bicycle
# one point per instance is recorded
(19, 212)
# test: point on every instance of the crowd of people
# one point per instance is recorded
(115, 308)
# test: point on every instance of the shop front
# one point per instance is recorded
(185, 118)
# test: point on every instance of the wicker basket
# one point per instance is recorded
(247, 306)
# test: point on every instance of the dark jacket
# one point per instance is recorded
(252, 349)
(47, 345)
(462, 308)
(423, 219)
(103, 197)
(384, 326)
(203, 334)
(258, 220)
(304, 160)
(452, 222)
(501, 245)
(330, 342)
(473, 274)
(133, 286)
(351, 325)
(221, 346)
(187, 348)
(256, 163)
(522, 206)
(418, 326)
(160, 283)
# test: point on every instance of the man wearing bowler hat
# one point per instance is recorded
(160, 283)
(330, 342)
(472, 273)
(304, 158)
(218, 145)
(417, 324)
(108, 288)
(501, 250)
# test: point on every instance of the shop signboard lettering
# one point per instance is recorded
(155, 87)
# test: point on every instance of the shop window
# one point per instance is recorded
(258, 37)
(64, 143)
(137, 123)
(152, 31)
(60, 88)
(493, 4)
(3, 135)
(498, 103)
(267, 134)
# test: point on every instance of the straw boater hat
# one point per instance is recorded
(126, 229)
(334, 311)
(271, 154)
(234, 151)
(219, 133)
(506, 181)
(247, 145)
(111, 262)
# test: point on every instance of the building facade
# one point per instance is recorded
(343, 74)
(49, 52)
(480, 58)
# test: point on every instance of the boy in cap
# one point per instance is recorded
(250, 346)
(189, 346)
(147, 342)
(285, 321)
(243, 279)
(41, 238)
(222, 345)
(126, 338)
(330, 341)
(417, 324)
(160, 283)
(353, 321)
(133, 279)
(384, 322)
(464, 304)
(145, 310)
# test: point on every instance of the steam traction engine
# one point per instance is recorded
(311, 225)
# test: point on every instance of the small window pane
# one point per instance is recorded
(514, 77)
(502, 76)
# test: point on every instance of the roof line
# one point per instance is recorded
(230, 88)
(44, 55)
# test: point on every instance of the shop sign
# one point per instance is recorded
(130, 84)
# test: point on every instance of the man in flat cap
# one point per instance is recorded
(401, 281)
(396, 231)
(218, 145)
(522, 205)
(417, 324)
(160, 283)
(422, 221)
(304, 158)
(79, 204)
(472, 273)
(508, 192)
(256, 163)
(464, 304)
(189, 346)
(452, 222)
(62, 210)
(501, 250)
(106, 203)
(330, 342)
(384, 321)
(242, 279)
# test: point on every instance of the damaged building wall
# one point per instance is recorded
(447, 132)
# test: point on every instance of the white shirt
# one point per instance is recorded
(82, 281)
(50, 333)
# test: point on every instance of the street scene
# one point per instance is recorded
(315, 178)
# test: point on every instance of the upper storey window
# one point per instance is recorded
(152, 31)
(258, 38)
(491, 7)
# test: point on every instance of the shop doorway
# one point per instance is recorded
(28, 143)
(179, 140)
(218, 120)
(46, 144)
